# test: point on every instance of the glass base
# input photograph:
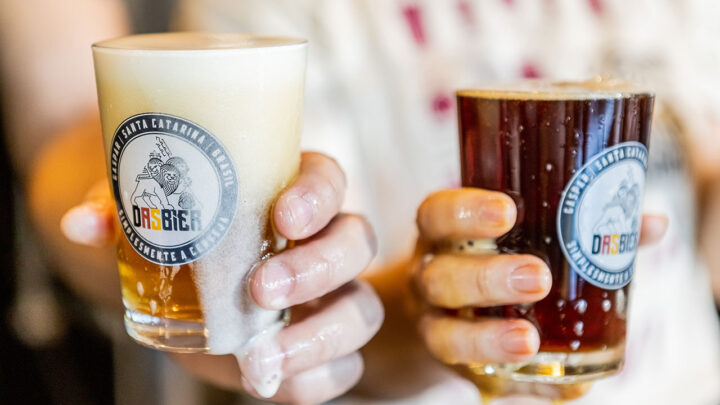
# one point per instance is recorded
(558, 367)
(170, 335)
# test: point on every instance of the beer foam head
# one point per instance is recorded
(598, 88)
(194, 41)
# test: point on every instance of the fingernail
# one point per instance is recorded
(261, 367)
(496, 213)
(529, 279)
(518, 341)
(82, 225)
(300, 210)
(277, 281)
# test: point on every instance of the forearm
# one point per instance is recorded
(65, 169)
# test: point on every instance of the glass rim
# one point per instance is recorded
(544, 90)
(196, 42)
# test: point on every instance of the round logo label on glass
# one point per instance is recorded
(175, 187)
(599, 215)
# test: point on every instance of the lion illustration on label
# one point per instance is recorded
(164, 184)
(616, 231)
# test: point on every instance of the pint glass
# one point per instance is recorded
(573, 157)
(201, 133)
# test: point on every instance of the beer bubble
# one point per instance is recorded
(153, 307)
(548, 240)
(567, 118)
(581, 306)
(549, 167)
(521, 128)
(427, 258)
(574, 345)
(544, 204)
(560, 303)
(523, 308)
(606, 305)
(579, 328)
(140, 289)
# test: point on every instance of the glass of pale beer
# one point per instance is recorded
(201, 133)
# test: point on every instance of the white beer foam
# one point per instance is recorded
(246, 92)
(598, 88)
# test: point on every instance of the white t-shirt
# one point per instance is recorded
(380, 99)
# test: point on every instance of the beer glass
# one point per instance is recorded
(573, 157)
(201, 133)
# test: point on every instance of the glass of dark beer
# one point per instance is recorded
(573, 157)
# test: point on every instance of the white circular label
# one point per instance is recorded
(599, 215)
(175, 187)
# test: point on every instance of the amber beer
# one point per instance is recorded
(573, 157)
(201, 131)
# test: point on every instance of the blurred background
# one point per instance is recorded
(380, 98)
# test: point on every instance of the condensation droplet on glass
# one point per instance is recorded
(579, 328)
(574, 345)
(573, 171)
(560, 303)
(544, 204)
(521, 128)
(573, 152)
(581, 306)
(140, 289)
(606, 305)
(568, 118)
(620, 302)
(547, 123)
(549, 167)
(604, 294)
(532, 177)
(153, 307)
(548, 240)
(489, 369)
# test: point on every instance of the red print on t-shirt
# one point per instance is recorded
(413, 16)
(597, 6)
(466, 12)
(530, 71)
(441, 104)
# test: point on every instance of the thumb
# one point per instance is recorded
(91, 223)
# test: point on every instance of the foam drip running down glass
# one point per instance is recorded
(573, 158)
(201, 133)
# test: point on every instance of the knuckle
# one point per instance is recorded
(359, 227)
(371, 307)
(483, 283)
(328, 168)
(326, 190)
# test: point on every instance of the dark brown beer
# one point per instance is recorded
(530, 145)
